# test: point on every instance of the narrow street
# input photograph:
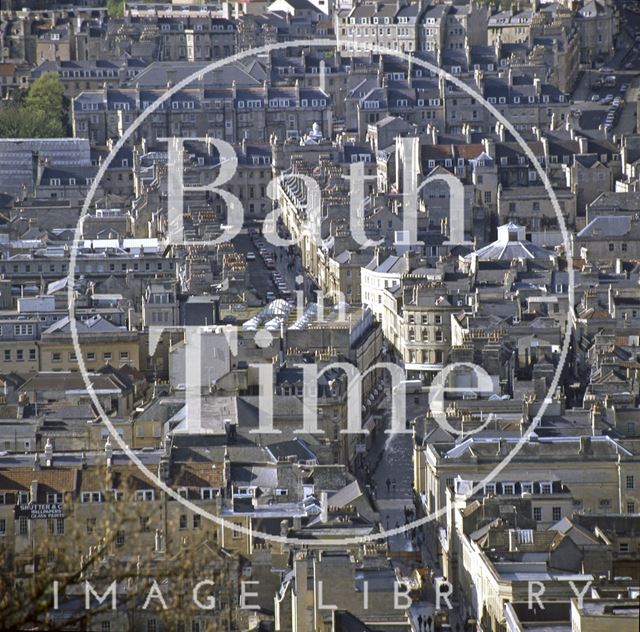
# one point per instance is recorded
(393, 477)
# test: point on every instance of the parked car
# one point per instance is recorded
(595, 98)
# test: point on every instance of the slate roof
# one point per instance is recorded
(94, 325)
(627, 201)
(17, 155)
(605, 226)
(295, 448)
(506, 248)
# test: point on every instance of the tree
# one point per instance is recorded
(47, 95)
(41, 115)
(115, 8)
(20, 122)
(90, 550)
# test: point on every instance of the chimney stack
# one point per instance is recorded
(583, 145)
(324, 501)
(48, 453)
(537, 84)
(108, 450)
(585, 446)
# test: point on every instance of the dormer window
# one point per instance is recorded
(91, 497)
(508, 489)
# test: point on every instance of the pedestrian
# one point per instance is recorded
(388, 486)
(429, 620)
(419, 622)
(394, 489)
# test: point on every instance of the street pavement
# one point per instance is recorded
(259, 275)
(390, 460)
(393, 477)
